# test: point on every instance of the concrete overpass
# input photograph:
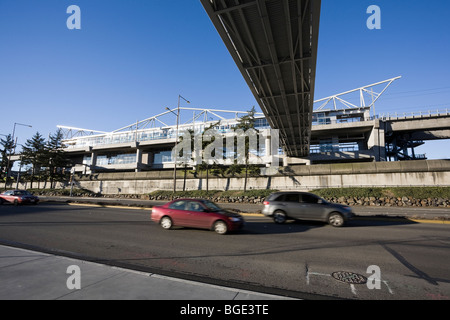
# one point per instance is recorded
(407, 131)
(351, 135)
(421, 126)
(274, 45)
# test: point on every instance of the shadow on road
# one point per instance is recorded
(379, 221)
(298, 226)
(263, 228)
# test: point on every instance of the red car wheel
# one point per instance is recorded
(220, 227)
(166, 223)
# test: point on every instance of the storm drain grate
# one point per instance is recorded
(349, 277)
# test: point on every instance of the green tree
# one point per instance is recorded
(6, 148)
(205, 165)
(186, 157)
(34, 154)
(234, 169)
(55, 156)
(218, 169)
(247, 122)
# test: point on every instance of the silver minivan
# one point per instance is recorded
(282, 206)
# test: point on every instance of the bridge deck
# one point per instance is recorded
(274, 45)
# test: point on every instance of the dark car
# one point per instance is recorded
(282, 206)
(196, 213)
(17, 197)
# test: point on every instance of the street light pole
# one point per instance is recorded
(176, 142)
(18, 176)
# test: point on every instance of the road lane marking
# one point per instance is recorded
(352, 287)
(107, 206)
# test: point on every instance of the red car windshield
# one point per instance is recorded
(211, 205)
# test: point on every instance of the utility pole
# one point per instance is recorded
(176, 142)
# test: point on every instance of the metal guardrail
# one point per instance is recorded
(385, 116)
(415, 115)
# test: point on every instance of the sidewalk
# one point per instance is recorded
(30, 275)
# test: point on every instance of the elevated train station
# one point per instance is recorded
(274, 45)
(337, 136)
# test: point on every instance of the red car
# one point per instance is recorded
(17, 197)
(196, 213)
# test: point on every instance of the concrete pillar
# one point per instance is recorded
(138, 160)
(377, 141)
(150, 158)
(267, 144)
(285, 161)
(274, 146)
(93, 161)
(335, 143)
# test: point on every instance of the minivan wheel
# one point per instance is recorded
(336, 219)
(279, 217)
(220, 227)
(166, 223)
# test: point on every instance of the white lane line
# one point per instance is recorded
(389, 289)
(352, 287)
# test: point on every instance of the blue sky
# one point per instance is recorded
(132, 58)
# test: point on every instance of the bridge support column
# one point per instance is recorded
(93, 161)
(138, 160)
(377, 141)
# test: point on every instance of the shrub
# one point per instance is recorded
(398, 192)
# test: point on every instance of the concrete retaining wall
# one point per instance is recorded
(377, 174)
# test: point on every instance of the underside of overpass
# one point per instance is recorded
(274, 44)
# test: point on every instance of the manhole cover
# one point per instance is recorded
(349, 277)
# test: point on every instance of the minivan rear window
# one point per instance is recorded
(276, 197)
(285, 197)
(292, 197)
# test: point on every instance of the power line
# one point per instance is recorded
(417, 91)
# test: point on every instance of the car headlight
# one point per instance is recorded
(234, 219)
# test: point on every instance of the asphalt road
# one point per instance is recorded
(297, 259)
(420, 212)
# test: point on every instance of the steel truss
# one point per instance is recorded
(162, 120)
(338, 102)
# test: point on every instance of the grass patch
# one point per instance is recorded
(212, 193)
(394, 192)
(62, 192)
